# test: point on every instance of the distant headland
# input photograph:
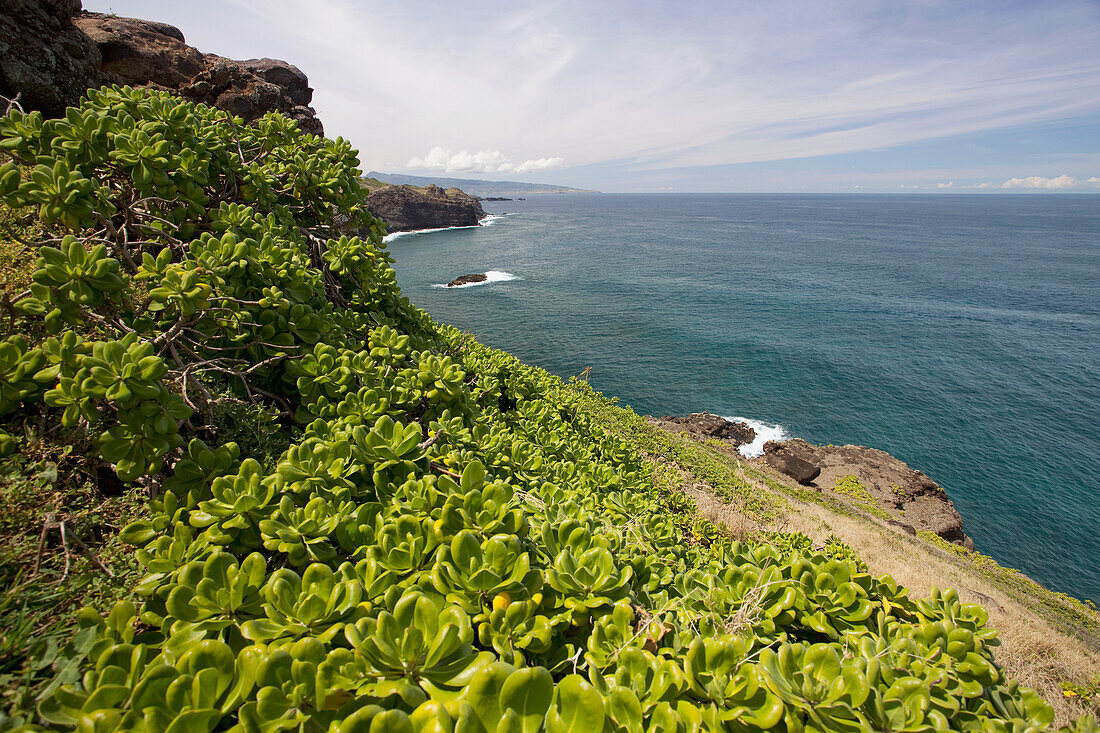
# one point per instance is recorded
(476, 187)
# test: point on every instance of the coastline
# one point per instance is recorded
(486, 221)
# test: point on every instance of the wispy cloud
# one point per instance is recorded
(945, 184)
(640, 87)
(483, 161)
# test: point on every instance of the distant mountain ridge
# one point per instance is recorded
(476, 187)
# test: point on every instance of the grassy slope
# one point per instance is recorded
(585, 471)
(1051, 641)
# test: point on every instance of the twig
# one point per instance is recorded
(42, 542)
(65, 544)
(87, 552)
(429, 442)
(443, 469)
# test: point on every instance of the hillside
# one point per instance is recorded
(293, 501)
(476, 186)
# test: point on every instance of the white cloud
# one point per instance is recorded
(1095, 181)
(661, 86)
(942, 184)
(1040, 182)
(483, 161)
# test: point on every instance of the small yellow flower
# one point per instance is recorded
(1069, 693)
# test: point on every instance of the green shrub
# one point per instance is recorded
(447, 541)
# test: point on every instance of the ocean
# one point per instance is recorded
(961, 333)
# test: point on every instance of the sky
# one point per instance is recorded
(898, 96)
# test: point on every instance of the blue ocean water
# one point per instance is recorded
(959, 333)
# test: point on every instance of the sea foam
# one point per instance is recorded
(491, 276)
(764, 433)
(488, 221)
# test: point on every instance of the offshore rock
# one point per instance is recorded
(408, 208)
(704, 424)
(468, 280)
(44, 58)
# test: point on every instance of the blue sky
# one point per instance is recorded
(868, 96)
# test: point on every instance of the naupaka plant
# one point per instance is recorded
(440, 538)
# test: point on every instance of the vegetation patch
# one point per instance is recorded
(347, 517)
(850, 487)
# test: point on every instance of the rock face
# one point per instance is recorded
(146, 53)
(468, 280)
(917, 501)
(141, 52)
(706, 425)
(407, 208)
(44, 58)
(51, 51)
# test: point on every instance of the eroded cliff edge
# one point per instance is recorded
(868, 480)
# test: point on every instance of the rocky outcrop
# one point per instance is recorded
(910, 497)
(147, 53)
(468, 280)
(51, 51)
(408, 208)
(706, 425)
(142, 52)
(44, 58)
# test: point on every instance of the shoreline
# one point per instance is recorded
(486, 221)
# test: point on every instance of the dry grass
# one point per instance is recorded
(1032, 650)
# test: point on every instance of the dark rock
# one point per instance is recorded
(44, 58)
(286, 76)
(467, 280)
(704, 424)
(896, 487)
(797, 468)
(407, 208)
(140, 52)
(51, 51)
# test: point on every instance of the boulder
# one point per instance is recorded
(408, 208)
(468, 280)
(704, 424)
(44, 58)
(797, 468)
(283, 75)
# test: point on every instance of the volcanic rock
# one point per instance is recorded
(408, 208)
(467, 280)
(706, 425)
(142, 52)
(44, 58)
(51, 51)
(899, 489)
(798, 468)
